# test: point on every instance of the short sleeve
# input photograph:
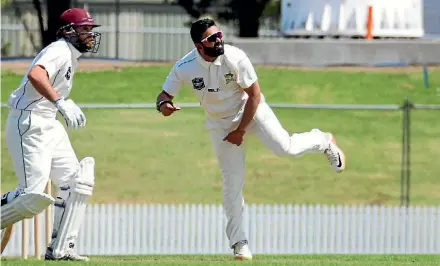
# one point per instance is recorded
(246, 75)
(52, 59)
(173, 83)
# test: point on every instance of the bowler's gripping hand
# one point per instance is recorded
(235, 137)
(167, 108)
(73, 115)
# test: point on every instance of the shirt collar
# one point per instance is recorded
(76, 54)
(206, 64)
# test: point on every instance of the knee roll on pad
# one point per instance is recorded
(85, 179)
(31, 204)
(24, 206)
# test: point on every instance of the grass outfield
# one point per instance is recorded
(144, 157)
(140, 85)
(297, 260)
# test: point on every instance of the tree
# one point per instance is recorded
(246, 12)
(4, 3)
(54, 10)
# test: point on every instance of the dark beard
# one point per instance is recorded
(214, 51)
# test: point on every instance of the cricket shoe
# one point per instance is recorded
(70, 255)
(335, 155)
(242, 251)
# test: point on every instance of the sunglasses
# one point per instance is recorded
(213, 37)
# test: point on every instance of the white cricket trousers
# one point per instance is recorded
(40, 149)
(231, 159)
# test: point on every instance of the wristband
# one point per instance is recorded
(58, 100)
(159, 104)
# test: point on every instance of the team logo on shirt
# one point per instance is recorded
(68, 73)
(198, 83)
(229, 77)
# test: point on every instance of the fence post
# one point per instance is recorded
(426, 76)
(117, 13)
(408, 156)
(405, 175)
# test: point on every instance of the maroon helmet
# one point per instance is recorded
(84, 40)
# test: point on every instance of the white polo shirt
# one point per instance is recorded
(60, 59)
(219, 85)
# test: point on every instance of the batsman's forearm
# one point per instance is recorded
(42, 84)
(249, 112)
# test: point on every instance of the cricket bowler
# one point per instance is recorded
(226, 84)
(38, 143)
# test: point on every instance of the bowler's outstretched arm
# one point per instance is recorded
(171, 87)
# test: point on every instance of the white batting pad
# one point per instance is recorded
(70, 209)
(24, 206)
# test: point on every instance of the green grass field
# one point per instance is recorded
(144, 157)
(272, 260)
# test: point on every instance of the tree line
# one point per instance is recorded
(246, 13)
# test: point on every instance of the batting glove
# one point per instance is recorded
(73, 115)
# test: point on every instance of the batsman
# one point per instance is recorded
(38, 143)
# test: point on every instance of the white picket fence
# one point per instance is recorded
(118, 229)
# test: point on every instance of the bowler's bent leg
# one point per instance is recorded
(231, 159)
(269, 130)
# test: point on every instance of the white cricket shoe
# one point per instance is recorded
(335, 155)
(71, 255)
(242, 251)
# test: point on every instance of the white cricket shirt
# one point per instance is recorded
(60, 59)
(219, 85)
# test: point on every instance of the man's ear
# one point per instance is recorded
(199, 46)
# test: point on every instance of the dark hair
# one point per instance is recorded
(199, 27)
